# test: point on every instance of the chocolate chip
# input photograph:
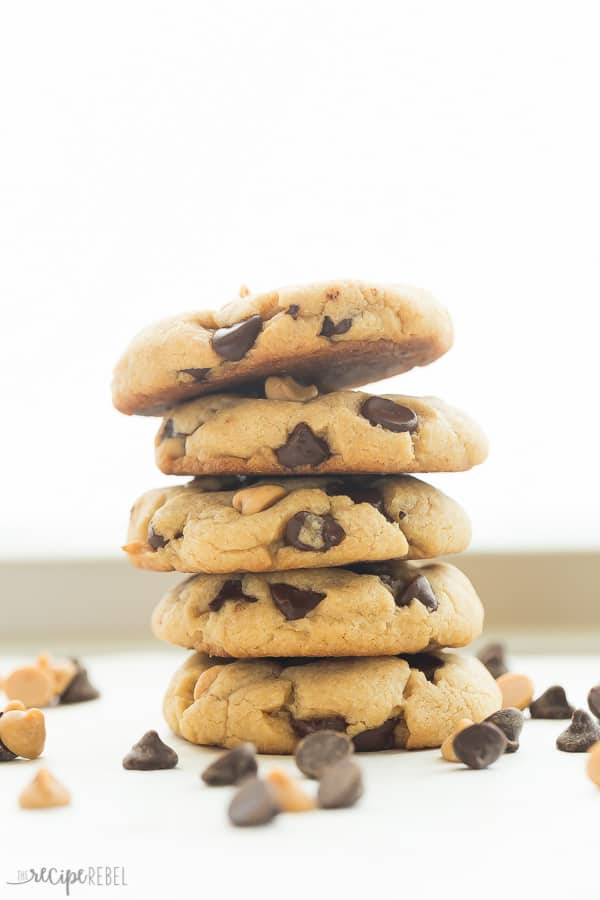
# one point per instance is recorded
(417, 589)
(358, 493)
(196, 374)
(150, 753)
(580, 735)
(230, 590)
(295, 602)
(293, 310)
(389, 415)
(593, 700)
(341, 785)
(233, 343)
(552, 704)
(302, 448)
(232, 767)
(155, 539)
(308, 531)
(493, 657)
(254, 804)
(510, 721)
(167, 432)
(426, 663)
(321, 749)
(318, 723)
(380, 738)
(6, 755)
(79, 689)
(478, 746)
(329, 328)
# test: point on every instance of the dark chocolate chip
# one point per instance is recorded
(593, 700)
(6, 755)
(318, 723)
(380, 738)
(426, 663)
(321, 749)
(155, 539)
(330, 328)
(295, 602)
(233, 343)
(150, 753)
(79, 689)
(552, 704)
(493, 657)
(510, 721)
(358, 493)
(478, 746)
(230, 590)
(341, 785)
(254, 803)
(302, 448)
(232, 767)
(389, 415)
(417, 589)
(196, 374)
(323, 531)
(167, 432)
(293, 310)
(580, 735)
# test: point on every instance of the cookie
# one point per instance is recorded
(389, 608)
(381, 702)
(346, 431)
(338, 334)
(293, 523)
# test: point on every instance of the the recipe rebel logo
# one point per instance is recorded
(91, 876)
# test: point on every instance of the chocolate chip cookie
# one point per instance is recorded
(381, 702)
(293, 523)
(337, 334)
(378, 609)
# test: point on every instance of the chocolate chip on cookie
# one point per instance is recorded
(593, 700)
(493, 657)
(168, 432)
(552, 704)
(309, 531)
(302, 448)
(254, 804)
(341, 785)
(233, 342)
(417, 589)
(293, 310)
(426, 663)
(321, 749)
(230, 590)
(79, 689)
(380, 738)
(329, 328)
(510, 721)
(195, 374)
(358, 493)
(582, 733)
(232, 767)
(295, 602)
(150, 753)
(155, 539)
(391, 416)
(478, 746)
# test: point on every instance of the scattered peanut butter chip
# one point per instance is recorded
(341, 785)
(447, 747)
(593, 700)
(510, 721)
(552, 704)
(255, 803)
(478, 746)
(290, 796)
(321, 749)
(516, 689)
(593, 765)
(150, 753)
(582, 733)
(493, 657)
(32, 685)
(79, 689)
(232, 767)
(44, 792)
(23, 732)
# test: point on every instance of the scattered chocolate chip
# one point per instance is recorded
(232, 767)
(426, 663)
(341, 785)
(150, 753)
(255, 803)
(293, 310)
(510, 721)
(321, 749)
(330, 328)
(79, 689)
(380, 738)
(389, 415)
(196, 374)
(308, 531)
(478, 746)
(417, 589)
(233, 343)
(230, 590)
(593, 700)
(580, 735)
(318, 723)
(155, 539)
(493, 657)
(552, 704)
(6, 755)
(302, 448)
(358, 493)
(295, 602)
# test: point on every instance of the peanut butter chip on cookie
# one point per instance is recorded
(302, 448)
(290, 796)
(233, 343)
(309, 531)
(43, 792)
(391, 416)
(255, 499)
(294, 602)
(284, 387)
(230, 590)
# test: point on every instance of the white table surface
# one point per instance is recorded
(423, 827)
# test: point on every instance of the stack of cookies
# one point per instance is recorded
(313, 600)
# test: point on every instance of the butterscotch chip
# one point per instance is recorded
(517, 690)
(32, 685)
(448, 745)
(23, 732)
(14, 704)
(593, 764)
(63, 673)
(290, 797)
(254, 499)
(43, 792)
(284, 387)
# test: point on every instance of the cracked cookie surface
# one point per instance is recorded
(380, 702)
(383, 608)
(317, 522)
(339, 334)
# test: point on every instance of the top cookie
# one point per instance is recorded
(335, 334)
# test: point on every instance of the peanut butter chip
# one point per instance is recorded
(43, 792)
(23, 732)
(517, 690)
(255, 499)
(284, 387)
(290, 797)
(33, 685)
(593, 766)
(448, 745)
(244, 290)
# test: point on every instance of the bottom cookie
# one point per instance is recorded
(382, 703)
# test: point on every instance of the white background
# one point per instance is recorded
(155, 156)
